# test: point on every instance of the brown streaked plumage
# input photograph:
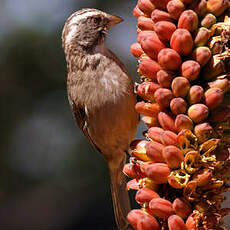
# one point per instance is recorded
(101, 96)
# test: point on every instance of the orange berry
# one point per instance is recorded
(169, 59)
(164, 30)
(160, 15)
(182, 207)
(180, 86)
(145, 23)
(213, 97)
(161, 208)
(163, 97)
(150, 43)
(190, 69)
(182, 121)
(195, 94)
(188, 20)
(166, 121)
(136, 50)
(148, 68)
(145, 6)
(175, 8)
(168, 138)
(154, 133)
(164, 78)
(182, 42)
(154, 151)
(173, 156)
(178, 105)
(198, 112)
(176, 223)
(202, 55)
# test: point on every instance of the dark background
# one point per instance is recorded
(50, 177)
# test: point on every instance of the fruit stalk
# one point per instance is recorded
(181, 167)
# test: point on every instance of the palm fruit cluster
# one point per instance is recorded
(181, 169)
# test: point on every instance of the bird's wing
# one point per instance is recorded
(79, 113)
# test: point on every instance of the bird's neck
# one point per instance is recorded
(78, 56)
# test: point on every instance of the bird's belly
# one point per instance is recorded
(113, 126)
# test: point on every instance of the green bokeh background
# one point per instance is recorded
(50, 177)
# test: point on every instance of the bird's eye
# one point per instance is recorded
(97, 20)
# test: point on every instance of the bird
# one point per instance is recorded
(101, 96)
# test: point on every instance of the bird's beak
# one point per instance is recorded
(113, 20)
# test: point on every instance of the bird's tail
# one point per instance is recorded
(121, 203)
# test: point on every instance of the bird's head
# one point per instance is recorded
(87, 28)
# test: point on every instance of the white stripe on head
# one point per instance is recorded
(75, 18)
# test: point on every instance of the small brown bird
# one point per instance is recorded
(100, 92)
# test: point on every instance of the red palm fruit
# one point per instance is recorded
(203, 177)
(150, 43)
(148, 68)
(182, 121)
(168, 138)
(178, 105)
(160, 4)
(191, 222)
(200, 7)
(138, 150)
(182, 207)
(213, 97)
(173, 156)
(147, 222)
(182, 42)
(146, 6)
(176, 223)
(166, 121)
(160, 15)
(198, 112)
(202, 36)
(202, 55)
(208, 20)
(195, 94)
(132, 184)
(164, 30)
(145, 23)
(147, 109)
(169, 59)
(190, 69)
(154, 133)
(134, 216)
(158, 172)
(175, 8)
(161, 208)
(164, 78)
(137, 12)
(217, 7)
(223, 84)
(220, 114)
(180, 86)
(150, 121)
(145, 195)
(145, 34)
(203, 132)
(129, 171)
(154, 151)
(163, 97)
(136, 50)
(188, 20)
(147, 89)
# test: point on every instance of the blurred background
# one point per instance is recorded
(50, 177)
